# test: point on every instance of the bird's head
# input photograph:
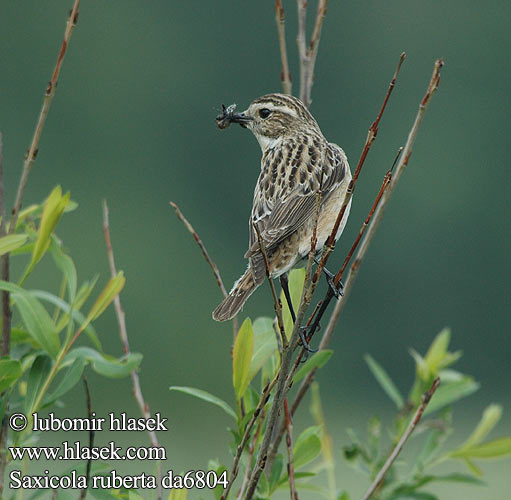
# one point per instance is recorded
(273, 117)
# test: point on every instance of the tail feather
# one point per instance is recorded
(237, 297)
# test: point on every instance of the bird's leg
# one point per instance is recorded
(337, 289)
(284, 283)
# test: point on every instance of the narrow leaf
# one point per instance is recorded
(11, 242)
(307, 446)
(112, 288)
(69, 380)
(242, 354)
(489, 420)
(264, 345)
(66, 265)
(492, 449)
(449, 393)
(37, 376)
(10, 371)
(317, 360)
(385, 382)
(52, 211)
(206, 396)
(35, 318)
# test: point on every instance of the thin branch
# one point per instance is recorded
(246, 436)
(290, 460)
(308, 55)
(302, 48)
(371, 230)
(83, 493)
(276, 301)
(208, 259)
(285, 365)
(251, 450)
(319, 307)
(6, 307)
(123, 333)
(285, 75)
(371, 136)
(426, 398)
(48, 98)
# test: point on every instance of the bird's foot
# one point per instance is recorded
(337, 289)
(303, 331)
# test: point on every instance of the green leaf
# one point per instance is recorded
(66, 265)
(385, 382)
(10, 371)
(492, 449)
(491, 416)
(64, 320)
(459, 478)
(206, 396)
(343, 496)
(69, 380)
(37, 376)
(264, 345)
(307, 446)
(276, 472)
(177, 494)
(111, 290)
(35, 318)
(242, 354)
(117, 368)
(296, 280)
(107, 366)
(52, 211)
(449, 393)
(11, 242)
(317, 360)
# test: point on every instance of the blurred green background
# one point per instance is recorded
(133, 122)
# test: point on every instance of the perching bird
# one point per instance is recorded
(297, 162)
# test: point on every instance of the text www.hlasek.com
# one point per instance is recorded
(75, 451)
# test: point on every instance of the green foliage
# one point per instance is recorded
(45, 364)
(256, 352)
(422, 471)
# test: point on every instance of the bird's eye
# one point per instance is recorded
(264, 113)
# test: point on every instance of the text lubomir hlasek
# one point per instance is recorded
(114, 423)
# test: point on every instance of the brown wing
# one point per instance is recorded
(280, 215)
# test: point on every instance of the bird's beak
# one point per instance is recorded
(242, 118)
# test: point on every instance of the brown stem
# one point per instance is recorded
(48, 98)
(290, 460)
(123, 333)
(276, 301)
(208, 259)
(426, 398)
(83, 493)
(371, 230)
(371, 136)
(246, 435)
(285, 75)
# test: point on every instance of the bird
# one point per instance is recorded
(297, 163)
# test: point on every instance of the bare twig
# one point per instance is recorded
(208, 259)
(123, 333)
(251, 450)
(426, 398)
(276, 301)
(371, 136)
(307, 55)
(310, 377)
(48, 98)
(258, 411)
(371, 230)
(6, 307)
(83, 493)
(285, 365)
(285, 76)
(290, 460)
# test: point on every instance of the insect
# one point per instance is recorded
(224, 120)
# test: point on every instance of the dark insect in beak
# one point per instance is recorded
(228, 116)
